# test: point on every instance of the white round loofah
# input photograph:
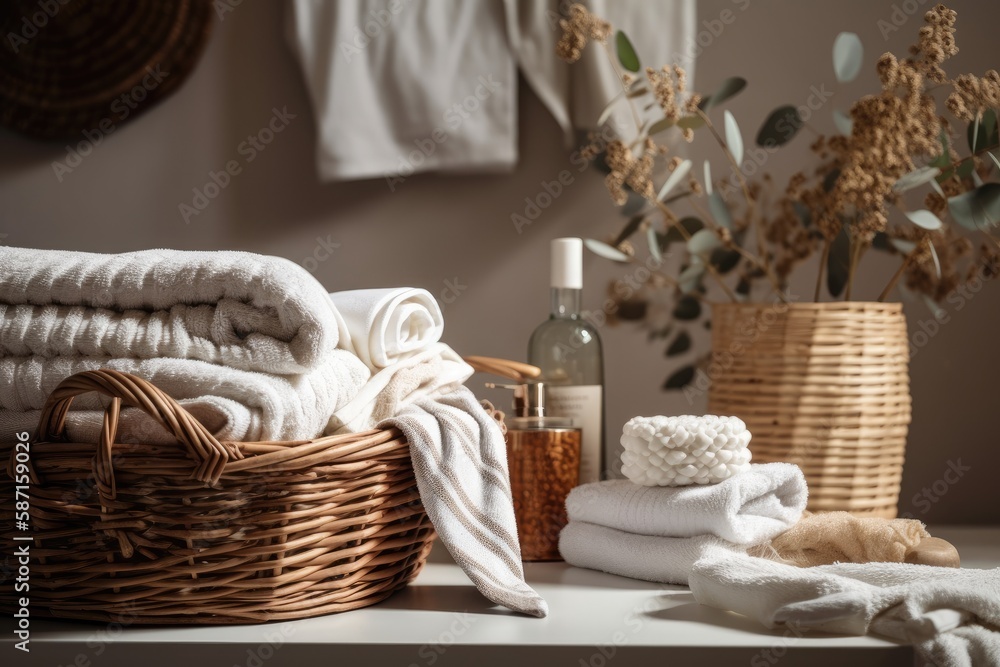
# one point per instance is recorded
(677, 451)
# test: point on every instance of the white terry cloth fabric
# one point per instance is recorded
(234, 404)
(748, 508)
(242, 310)
(666, 560)
(460, 462)
(435, 370)
(385, 325)
(952, 616)
(400, 86)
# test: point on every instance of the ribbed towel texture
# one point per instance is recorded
(657, 533)
(951, 616)
(255, 348)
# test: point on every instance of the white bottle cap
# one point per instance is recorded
(567, 263)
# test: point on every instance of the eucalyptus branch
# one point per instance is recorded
(822, 264)
(621, 81)
(895, 277)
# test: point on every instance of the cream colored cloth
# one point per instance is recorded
(400, 86)
(839, 537)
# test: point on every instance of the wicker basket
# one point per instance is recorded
(205, 532)
(822, 385)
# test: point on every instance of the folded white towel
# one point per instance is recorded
(234, 404)
(666, 560)
(432, 371)
(748, 508)
(460, 462)
(951, 615)
(385, 325)
(239, 309)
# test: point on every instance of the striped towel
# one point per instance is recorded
(460, 462)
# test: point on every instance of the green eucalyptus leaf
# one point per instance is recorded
(703, 242)
(626, 52)
(838, 264)
(982, 133)
(654, 244)
(690, 225)
(680, 345)
(724, 259)
(630, 228)
(638, 91)
(937, 262)
(734, 139)
(708, 177)
(844, 123)
(609, 109)
(660, 126)
(691, 122)
(687, 308)
(632, 310)
(690, 277)
(916, 178)
(743, 287)
(779, 128)
(680, 378)
(848, 54)
(830, 180)
(995, 160)
(903, 246)
(977, 209)
(602, 249)
(676, 176)
(728, 89)
(924, 218)
(717, 205)
(633, 204)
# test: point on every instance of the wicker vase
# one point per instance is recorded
(822, 385)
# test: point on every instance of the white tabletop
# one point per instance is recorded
(595, 619)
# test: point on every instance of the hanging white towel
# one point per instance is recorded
(748, 508)
(400, 87)
(952, 616)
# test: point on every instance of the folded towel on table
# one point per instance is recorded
(386, 325)
(234, 404)
(460, 462)
(238, 309)
(435, 370)
(748, 508)
(665, 560)
(952, 616)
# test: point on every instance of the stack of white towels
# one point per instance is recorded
(256, 349)
(691, 490)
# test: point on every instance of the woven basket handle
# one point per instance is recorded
(209, 454)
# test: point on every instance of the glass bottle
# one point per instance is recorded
(567, 349)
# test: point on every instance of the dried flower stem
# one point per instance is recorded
(895, 277)
(857, 249)
(761, 261)
(621, 81)
(824, 258)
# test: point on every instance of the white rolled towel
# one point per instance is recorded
(749, 508)
(666, 560)
(385, 325)
(676, 451)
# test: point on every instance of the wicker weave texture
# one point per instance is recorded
(205, 532)
(824, 386)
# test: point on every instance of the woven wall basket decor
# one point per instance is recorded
(822, 385)
(74, 66)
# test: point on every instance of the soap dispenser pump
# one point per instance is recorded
(543, 456)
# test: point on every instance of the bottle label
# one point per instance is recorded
(581, 403)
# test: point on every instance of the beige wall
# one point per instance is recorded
(436, 229)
